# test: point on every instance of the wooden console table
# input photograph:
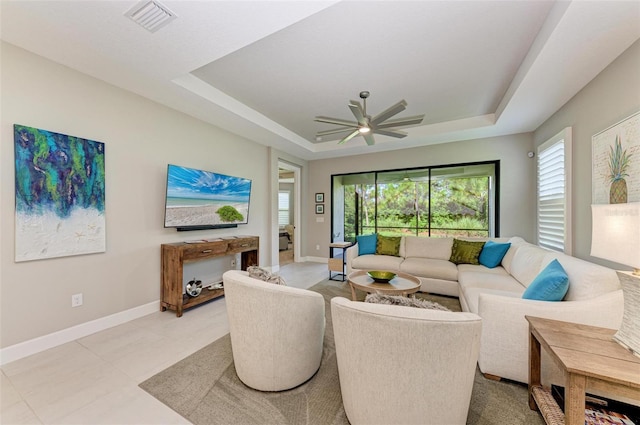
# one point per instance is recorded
(174, 255)
(589, 358)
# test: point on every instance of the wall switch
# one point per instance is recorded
(76, 300)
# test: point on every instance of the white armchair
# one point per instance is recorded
(404, 365)
(276, 331)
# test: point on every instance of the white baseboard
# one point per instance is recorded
(36, 345)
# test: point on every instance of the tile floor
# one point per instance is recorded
(94, 380)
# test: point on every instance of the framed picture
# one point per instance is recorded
(319, 198)
(60, 194)
(319, 208)
(616, 163)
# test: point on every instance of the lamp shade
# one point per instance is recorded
(615, 234)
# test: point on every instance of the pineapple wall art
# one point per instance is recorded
(616, 163)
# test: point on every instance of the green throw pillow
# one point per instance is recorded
(465, 252)
(388, 245)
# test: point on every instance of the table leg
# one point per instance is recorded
(574, 399)
(353, 292)
(534, 367)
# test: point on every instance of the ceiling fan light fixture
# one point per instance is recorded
(364, 129)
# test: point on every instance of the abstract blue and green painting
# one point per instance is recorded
(60, 194)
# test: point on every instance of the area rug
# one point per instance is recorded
(205, 389)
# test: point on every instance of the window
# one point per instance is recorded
(438, 201)
(554, 192)
(284, 212)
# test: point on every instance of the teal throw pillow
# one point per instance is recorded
(551, 284)
(465, 252)
(367, 243)
(388, 245)
(492, 253)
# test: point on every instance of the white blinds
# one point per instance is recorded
(283, 208)
(553, 194)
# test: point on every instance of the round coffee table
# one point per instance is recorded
(403, 284)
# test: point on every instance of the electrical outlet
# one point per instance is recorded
(317, 247)
(76, 300)
(233, 262)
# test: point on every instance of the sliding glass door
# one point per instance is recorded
(440, 201)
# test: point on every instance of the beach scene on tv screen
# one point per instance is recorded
(203, 198)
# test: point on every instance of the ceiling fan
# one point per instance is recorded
(365, 125)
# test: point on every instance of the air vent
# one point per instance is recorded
(151, 15)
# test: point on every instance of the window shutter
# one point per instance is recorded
(283, 208)
(553, 194)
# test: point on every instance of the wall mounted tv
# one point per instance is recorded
(198, 199)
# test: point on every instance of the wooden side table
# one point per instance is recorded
(589, 358)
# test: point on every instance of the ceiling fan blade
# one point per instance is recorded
(337, 121)
(401, 122)
(389, 112)
(368, 137)
(333, 131)
(356, 108)
(353, 134)
(393, 133)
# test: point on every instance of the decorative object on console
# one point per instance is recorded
(194, 287)
(615, 236)
(60, 195)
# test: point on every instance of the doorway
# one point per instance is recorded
(288, 213)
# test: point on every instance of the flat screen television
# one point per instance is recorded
(198, 199)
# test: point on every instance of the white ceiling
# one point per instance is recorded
(265, 69)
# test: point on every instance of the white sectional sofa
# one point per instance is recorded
(495, 294)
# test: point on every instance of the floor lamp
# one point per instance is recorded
(615, 236)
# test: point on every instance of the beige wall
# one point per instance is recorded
(517, 194)
(140, 138)
(609, 98)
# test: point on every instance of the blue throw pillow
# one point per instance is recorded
(492, 253)
(367, 243)
(550, 285)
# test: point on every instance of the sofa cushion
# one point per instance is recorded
(472, 296)
(377, 262)
(429, 267)
(527, 263)
(515, 242)
(403, 301)
(490, 280)
(480, 269)
(465, 252)
(367, 243)
(388, 245)
(492, 253)
(436, 248)
(586, 280)
(550, 285)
